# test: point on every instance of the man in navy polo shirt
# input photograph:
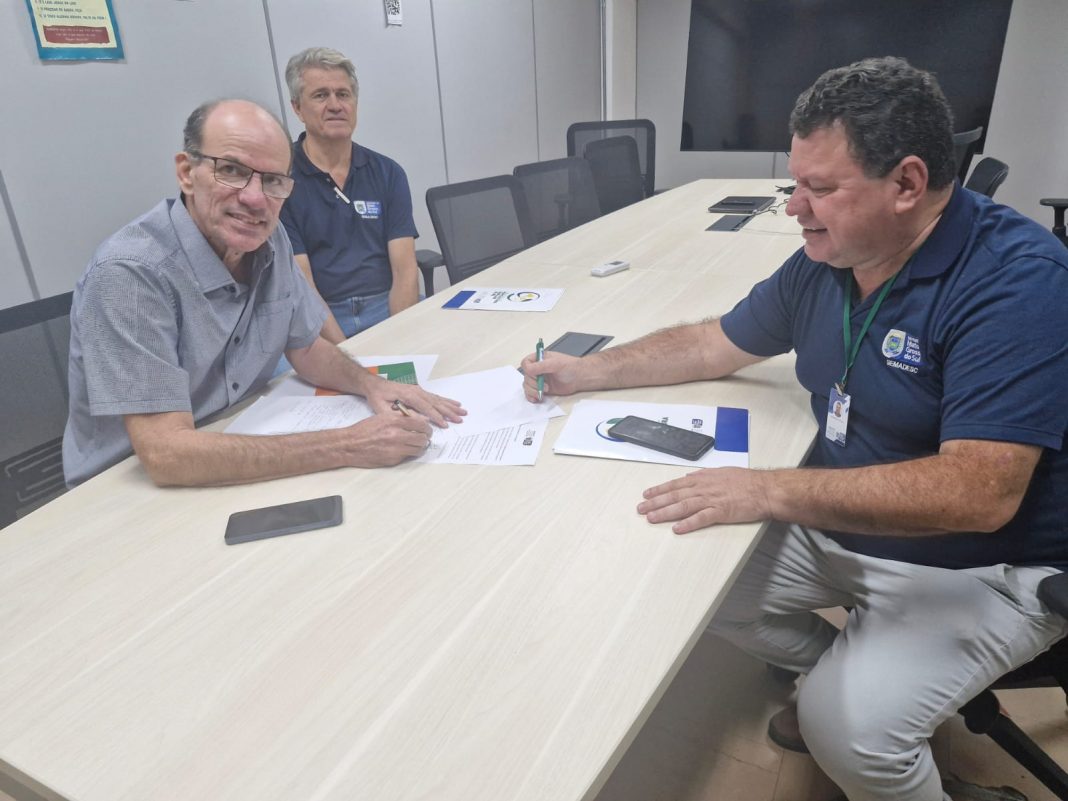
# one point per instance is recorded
(350, 215)
(929, 328)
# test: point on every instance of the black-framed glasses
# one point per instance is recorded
(236, 175)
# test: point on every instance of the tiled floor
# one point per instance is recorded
(706, 740)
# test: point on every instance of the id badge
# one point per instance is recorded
(837, 417)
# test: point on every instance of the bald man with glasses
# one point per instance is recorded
(186, 311)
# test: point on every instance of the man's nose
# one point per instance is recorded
(797, 202)
(252, 194)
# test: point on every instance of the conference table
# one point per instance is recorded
(469, 632)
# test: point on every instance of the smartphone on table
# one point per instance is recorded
(286, 518)
(662, 437)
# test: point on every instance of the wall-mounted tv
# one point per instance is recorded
(748, 60)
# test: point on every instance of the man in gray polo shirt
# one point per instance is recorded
(187, 310)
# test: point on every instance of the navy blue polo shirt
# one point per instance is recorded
(346, 241)
(971, 343)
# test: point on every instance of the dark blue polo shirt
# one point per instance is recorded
(971, 343)
(346, 242)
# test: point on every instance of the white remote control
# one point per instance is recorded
(609, 267)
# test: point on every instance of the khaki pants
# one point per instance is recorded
(919, 643)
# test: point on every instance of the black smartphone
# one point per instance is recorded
(574, 343)
(662, 437)
(286, 518)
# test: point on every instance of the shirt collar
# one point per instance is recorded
(305, 165)
(210, 272)
(945, 243)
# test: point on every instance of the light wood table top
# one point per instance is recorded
(467, 633)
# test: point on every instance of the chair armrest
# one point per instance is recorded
(1053, 592)
(427, 261)
(1056, 202)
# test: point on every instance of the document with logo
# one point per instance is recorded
(586, 432)
(509, 445)
(505, 299)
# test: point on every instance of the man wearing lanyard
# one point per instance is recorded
(929, 328)
(350, 214)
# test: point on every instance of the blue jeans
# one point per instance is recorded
(360, 313)
(353, 315)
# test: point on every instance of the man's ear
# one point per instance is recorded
(910, 179)
(296, 109)
(183, 168)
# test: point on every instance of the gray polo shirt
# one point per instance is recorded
(159, 325)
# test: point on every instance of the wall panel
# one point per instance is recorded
(398, 112)
(91, 144)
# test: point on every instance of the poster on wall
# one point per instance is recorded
(75, 30)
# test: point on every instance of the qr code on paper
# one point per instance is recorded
(393, 12)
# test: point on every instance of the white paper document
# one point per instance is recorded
(505, 299)
(292, 414)
(510, 445)
(501, 426)
(586, 432)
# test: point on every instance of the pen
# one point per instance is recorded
(399, 406)
(539, 351)
(341, 195)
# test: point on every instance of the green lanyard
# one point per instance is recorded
(852, 348)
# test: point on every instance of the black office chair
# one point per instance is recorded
(479, 223)
(34, 345)
(987, 176)
(616, 173)
(560, 195)
(984, 715)
(964, 144)
(1059, 204)
(643, 132)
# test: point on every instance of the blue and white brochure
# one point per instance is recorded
(586, 432)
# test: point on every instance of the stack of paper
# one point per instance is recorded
(501, 426)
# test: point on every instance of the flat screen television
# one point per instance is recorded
(748, 60)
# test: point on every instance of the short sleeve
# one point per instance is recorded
(762, 323)
(1005, 378)
(399, 220)
(129, 322)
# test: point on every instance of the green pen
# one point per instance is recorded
(539, 352)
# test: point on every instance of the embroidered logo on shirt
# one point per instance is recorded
(368, 209)
(902, 351)
(894, 344)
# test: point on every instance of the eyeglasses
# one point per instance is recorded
(236, 175)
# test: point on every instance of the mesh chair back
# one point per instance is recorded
(964, 144)
(479, 223)
(560, 195)
(616, 174)
(34, 345)
(987, 176)
(643, 132)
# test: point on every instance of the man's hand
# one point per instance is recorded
(381, 393)
(707, 498)
(386, 439)
(560, 370)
